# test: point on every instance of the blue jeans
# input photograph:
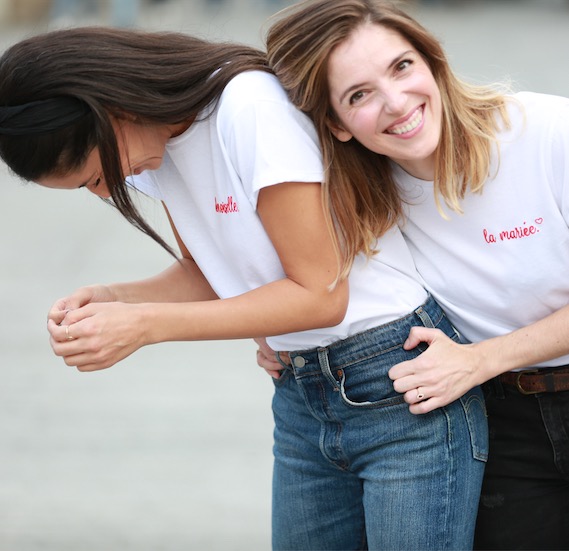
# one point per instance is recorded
(354, 469)
(525, 495)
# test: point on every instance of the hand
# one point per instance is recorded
(267, 360)
(440, 375)
(98, 335)
(81, 297)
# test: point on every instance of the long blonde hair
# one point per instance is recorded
(359, 188)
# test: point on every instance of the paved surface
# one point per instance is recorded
(172, 449)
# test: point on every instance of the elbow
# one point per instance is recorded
(333, 306)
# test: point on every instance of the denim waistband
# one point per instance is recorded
(381, 338)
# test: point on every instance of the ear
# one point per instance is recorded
(339, 132)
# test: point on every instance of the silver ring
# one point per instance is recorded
(69, 337)
(420, 395)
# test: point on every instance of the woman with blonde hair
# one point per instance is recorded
(483, 177)
(206, 129)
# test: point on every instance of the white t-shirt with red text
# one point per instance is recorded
(504, 263)
(210, 179)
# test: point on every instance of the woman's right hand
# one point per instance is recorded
(266, 358)
(79, 298)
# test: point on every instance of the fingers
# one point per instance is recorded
(266, 359)
(426, 406)
(269, 364)
(416, 395)
(64, 343)
(62, 333)
(58, 311)
(76, 300)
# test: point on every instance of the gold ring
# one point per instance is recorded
(420, 395)
(69, 337)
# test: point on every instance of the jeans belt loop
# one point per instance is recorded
(284, 360)
(424, 317)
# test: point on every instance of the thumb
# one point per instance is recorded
(418, 334)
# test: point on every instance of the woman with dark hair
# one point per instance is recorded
(208, 131)
(484, 179)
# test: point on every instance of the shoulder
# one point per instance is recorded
(253, 86)
(541, 106)
(256, 100)
(534, 116)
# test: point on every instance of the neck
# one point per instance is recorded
(422, 170)
(178, 129)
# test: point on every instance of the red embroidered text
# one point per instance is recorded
(515, 233)
(226, 208)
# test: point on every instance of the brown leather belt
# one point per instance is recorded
(534, 381)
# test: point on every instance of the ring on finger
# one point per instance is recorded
(67, 335)
(420, 394)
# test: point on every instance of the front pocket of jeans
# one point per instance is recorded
(285, 374)
(365, 384)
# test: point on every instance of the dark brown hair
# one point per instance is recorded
(155, 78)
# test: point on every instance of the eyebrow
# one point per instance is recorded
(394, 62)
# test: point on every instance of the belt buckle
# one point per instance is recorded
(518, 383)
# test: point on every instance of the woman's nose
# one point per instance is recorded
(394, 102)
(100, 191)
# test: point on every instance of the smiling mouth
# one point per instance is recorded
(411, 124)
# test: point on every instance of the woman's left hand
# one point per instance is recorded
(443, 373)
(98, 335)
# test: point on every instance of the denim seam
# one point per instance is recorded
(369, 356)
(451, 476)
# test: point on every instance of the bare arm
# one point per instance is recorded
(293, 217)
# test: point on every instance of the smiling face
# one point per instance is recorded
(140, 148)
(385, 96)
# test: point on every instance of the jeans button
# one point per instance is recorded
(299, 361)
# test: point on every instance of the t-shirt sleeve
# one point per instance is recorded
(267, 140)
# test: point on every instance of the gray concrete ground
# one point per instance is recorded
(171, 449)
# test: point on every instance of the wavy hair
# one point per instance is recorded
(153, 78)
(359, 188)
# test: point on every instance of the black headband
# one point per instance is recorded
(40, 117)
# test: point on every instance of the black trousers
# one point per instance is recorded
(525, 493)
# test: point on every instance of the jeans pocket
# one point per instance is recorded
(285, 374)
(477, 420)
(365, 384)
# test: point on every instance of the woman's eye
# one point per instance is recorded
(404, 64)
(97, 182)
(354, 98)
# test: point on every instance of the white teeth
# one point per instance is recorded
(413, 123)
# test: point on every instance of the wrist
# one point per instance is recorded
(494, 357)
(146, 317)
(112, 293)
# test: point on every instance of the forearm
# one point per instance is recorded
(531, 345)
(181, 282)
(273, 309)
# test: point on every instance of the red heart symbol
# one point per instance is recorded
(539, 220)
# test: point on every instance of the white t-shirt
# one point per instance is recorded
(210, 179)
(504, 263)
